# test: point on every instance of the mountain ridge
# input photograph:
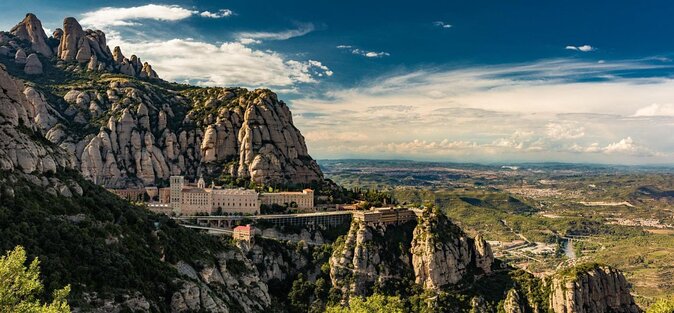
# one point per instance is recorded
(126, 127)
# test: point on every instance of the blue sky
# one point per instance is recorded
(573, 81)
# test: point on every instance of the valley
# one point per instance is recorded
(530, 212)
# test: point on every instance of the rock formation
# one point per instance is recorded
(366, 259)
(20, 56)
(19, 120)
(513, 303)
(30, 29)
(591, 288)
(225, 131)
(443, 255)
(33, 65)
(122, 132)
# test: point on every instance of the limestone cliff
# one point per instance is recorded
(591, 288)
(443, 255)
(370, 256)
(134, 130)
(22, 111)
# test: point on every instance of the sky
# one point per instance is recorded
(462, 81)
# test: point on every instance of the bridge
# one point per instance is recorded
(328, 219)
(230, 233)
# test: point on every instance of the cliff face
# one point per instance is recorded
(22, 110)
(121, 131)
(591, 289)
(443, 255)
(434, 253)
(369, 256)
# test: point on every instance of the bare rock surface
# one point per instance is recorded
(30, 29)
(591, 288)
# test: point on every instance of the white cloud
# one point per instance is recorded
(110, 16)
(228, 64)
(365, 53)
(583, 48)
(301, 30)
(559, 131)
(626, 146)
(655, 110)
(442, 24)
(219, 14)
(527, 111)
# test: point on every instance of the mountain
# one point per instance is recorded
(123, 126)
(64, 131)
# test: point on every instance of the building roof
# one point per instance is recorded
(241, 192)
(242, 228)
(193, 190)
(303, 192)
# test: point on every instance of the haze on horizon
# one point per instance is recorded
(495, 81)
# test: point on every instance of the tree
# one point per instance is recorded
(376, 303)
(21, 288)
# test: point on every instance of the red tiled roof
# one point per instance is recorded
(241, 228)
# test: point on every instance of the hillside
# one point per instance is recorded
(126, 127)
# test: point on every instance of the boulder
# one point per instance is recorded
(33, 65)
(20, 56)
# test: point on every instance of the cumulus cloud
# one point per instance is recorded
(205, 63)
(302, 30)
(583, 48)
(535, 110)
(626, 146)
(558, 131)
(365, 53)
(218, 14)
(655, 110)
(442, 24)
(228, 64)
(111, 16)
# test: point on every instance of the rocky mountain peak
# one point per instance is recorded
(30, 29)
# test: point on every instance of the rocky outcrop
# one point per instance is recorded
(33, 65)
(30, 29)
(591, 288)
(366, 258)
(513, 303)
(443, 255)
(20, 56)
(223, 131)
(74, 45)
(19, 116)
(230, 285)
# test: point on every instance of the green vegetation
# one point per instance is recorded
(99, 243)
(21, 288)
(662, 306)
(375, 303)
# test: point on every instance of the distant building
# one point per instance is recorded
(303, 200)
(176, 185)
(165, 195)
(386, 216)
(190, 200)
(244, 233)
(130, 194)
